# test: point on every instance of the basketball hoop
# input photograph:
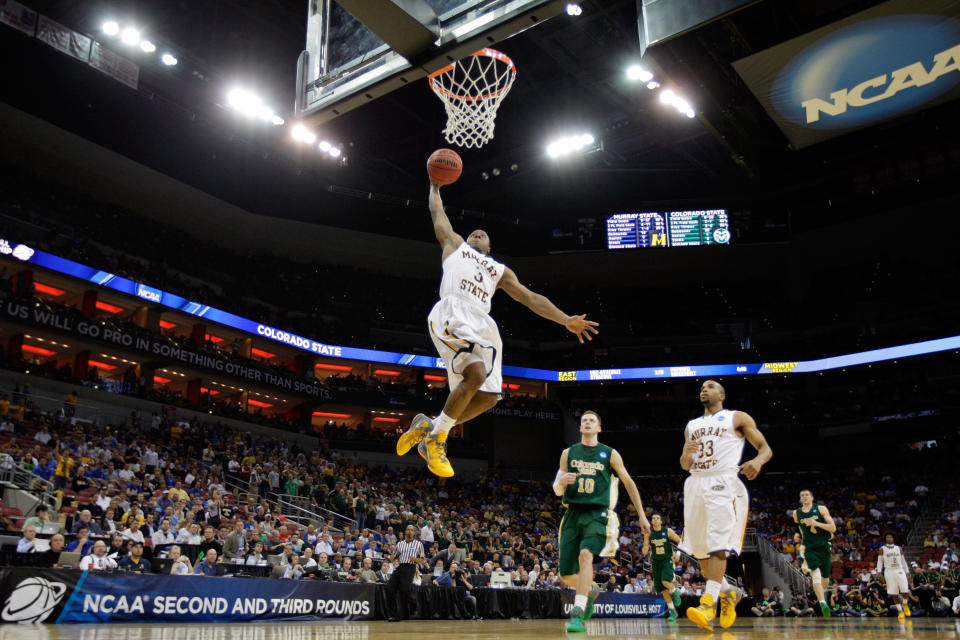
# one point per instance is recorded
(472, 90)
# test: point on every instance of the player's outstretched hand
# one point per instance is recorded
(751, 469)
(644, 524)
(581, 327)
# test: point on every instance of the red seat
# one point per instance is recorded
(12, 512)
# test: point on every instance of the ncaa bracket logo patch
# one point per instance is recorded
(33, 600)
(603, 454)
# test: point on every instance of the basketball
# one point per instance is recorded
(444, 166)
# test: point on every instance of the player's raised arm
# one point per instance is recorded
(446, 236)
(616, 463)
(541, 305)
(746, 424)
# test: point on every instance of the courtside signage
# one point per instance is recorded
(40, 258)
(898, 57)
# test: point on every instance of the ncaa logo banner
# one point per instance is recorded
(61, 596)
(896, 58)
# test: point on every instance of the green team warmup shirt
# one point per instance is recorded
(590, 522)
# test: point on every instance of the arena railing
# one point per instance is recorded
(27, 481)
(798, 582)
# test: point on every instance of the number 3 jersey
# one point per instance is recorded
(721, 445)
(471, 276)
(596, 485)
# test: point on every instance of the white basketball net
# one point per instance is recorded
(472, 90)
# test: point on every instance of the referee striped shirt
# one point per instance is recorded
(406, 551)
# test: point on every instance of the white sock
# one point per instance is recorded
(580, 601)
(823, 602)
(669, 603)
(713, 589)
(442, 424)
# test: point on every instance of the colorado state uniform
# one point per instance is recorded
(661, 552)
(590, 521)
(460, 324)
(715, 502)
(816, 542)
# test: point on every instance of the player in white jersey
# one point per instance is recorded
(467, 338)
(715, 502)
(891, 562)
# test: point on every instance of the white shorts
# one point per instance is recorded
(714, 514)
(896, 582)
(463, 335)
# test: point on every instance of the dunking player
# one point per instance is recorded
(894, 567)
(715, 502)
(816, 528)
(467, 338)
(590, 526)
(662, 572)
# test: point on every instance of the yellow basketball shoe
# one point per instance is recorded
(728, 606)
(419, 428)
(433, 449)
(703, 615)
(906, 609)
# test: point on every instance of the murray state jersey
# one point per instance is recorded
(721, 446)
(471, 276)
(891, 558)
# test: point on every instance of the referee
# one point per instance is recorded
(408, 552)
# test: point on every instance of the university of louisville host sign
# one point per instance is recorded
(898, 57)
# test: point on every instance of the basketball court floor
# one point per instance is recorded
(745, 629)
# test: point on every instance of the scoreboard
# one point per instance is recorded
(670, 229)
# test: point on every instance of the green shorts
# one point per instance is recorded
(593, 529)
(818, 558)
(661, 572)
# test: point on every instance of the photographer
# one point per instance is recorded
(459, 578)
(802, 605)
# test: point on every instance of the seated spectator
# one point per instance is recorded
(633, 586)
(181, 564)
(133, 532)
(133, 514)
(611, 585)
(27, 543)
(107, 524)
(307, 561)
(939, 605)
(346, 571)
(256, 555)
(164, 535)
(40, 517)
(85, 518)
(190, 534)
(117, 547)
(802, 605)
(366, 573)
(235, 543)
(135, 560)
(82, 543)
(765, 605)
(210, 541)
(324, 545)
(293, 571)
(209, 565)
(98, 560)
(52, 555)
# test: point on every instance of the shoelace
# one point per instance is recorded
(442, 448)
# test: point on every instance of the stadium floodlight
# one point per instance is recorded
(653, 84)
(147, 47)
(334, 152)
(111, 27)
(244, 102)
(130, 36)
(574, 9)
(169, 59)
(301, 134)
(324, 146)
(667, 96)
(570, 144)
(276, 120)
(636, 72)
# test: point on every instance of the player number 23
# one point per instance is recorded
(585, 485)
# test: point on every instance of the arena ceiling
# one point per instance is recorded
(571, 77)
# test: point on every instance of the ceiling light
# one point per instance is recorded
(147, 47)
(653, 84)
(667, 96)
(574, 9)
(636, 72)
(334, 152)
(111, 28)
(302, 134)
(324, 146)
(168, 59)
(276, 120)
(130, 36)
(564, 146)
